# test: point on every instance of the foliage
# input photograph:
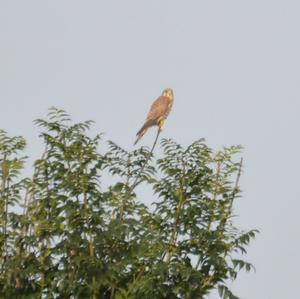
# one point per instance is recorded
(63, 235)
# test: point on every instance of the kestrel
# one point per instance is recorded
(159, 111)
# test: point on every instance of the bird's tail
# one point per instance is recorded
(141, 132)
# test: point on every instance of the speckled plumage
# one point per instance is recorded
(159, 111)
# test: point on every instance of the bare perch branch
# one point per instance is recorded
(136, 182)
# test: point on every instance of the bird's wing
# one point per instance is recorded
(159, 108)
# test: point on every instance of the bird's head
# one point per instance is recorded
(168, 92)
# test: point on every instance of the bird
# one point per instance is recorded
(158, 112)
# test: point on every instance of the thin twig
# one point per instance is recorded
(214, 197)
(235, 190)
(136, 182)
(5, 182)
(224, 221)
(233, 195)
(174, 236)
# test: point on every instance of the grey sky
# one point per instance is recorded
(234, 67)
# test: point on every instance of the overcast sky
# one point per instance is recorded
(234, 67)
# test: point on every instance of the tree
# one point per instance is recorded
(63, 235)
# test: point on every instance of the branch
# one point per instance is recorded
(234, 192)
(137, 181)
